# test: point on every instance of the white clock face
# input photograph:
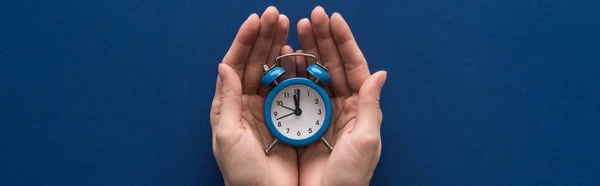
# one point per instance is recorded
(298, 111)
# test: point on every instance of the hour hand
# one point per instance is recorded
(287, 107)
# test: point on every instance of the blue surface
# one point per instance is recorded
(297, 81)
(478, 92)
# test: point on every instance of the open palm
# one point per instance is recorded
(237, 121)
(356, 118)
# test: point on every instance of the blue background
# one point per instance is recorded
(478, 93)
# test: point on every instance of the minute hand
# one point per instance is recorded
(296, 101)
(284, 116)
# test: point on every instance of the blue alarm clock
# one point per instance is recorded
(297, 110)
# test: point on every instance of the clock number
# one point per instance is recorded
(298, 134)
(286, 94)
(308, 93)
(279, 103)
(279, 123)
(316, 101)
(297, 91)
(288, 130)
(275, 113)
(317, 122)
(320, 112)
(310, 130)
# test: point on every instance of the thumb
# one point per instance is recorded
(231, 97)
(368, 115)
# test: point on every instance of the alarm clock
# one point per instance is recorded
(297, 110)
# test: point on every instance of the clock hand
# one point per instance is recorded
(296, 102)
(297, 111)
(284, 116)
(287, 108)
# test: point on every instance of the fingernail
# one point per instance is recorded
(305, 20)
(251, 15)
(286, 22)
(332, 21)
(220, 71)
(282, 16)
(382, 79)
(319, 8)
(270, 7)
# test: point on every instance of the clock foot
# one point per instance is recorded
(268, 150)
(327, 144)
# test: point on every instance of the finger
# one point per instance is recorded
(307, 39)
(231, 98)
(368, 112)
(242, 45)
(301, 65)
(329, 52)
(215, 109)
(253, 70)
(281, 35)
(288, 63)
(355, 63)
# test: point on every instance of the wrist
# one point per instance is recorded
(257, 181)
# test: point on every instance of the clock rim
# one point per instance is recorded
(271, 125)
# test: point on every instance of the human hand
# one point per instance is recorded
(236, 116)
(355, 126)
